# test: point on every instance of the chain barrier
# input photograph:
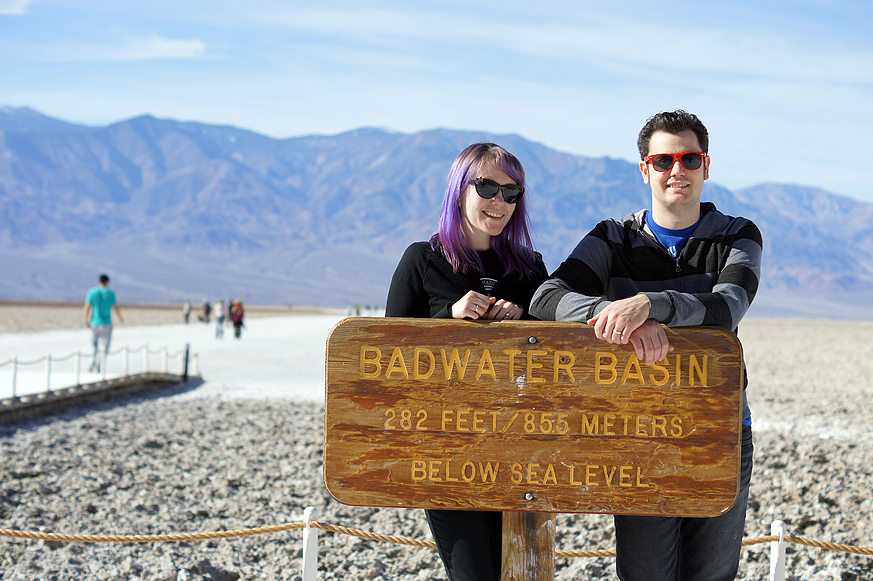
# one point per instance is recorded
(369, 536)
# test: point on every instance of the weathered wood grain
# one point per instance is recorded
(530, 416)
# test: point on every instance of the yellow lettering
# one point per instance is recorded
(512, 353)
(641, 429)
(472, 475)
(678, 369)
(659, 424)
(462, 420)
(419, 470)
(607, 425)
(416, 370)
(434, 470)
(375, 361)
(640, 479)
(448, 468)
(448, 366)
(636, 374)
(397, 364)
(516, 473)
(531, 366)
(591, 426)
(487, 472)
(486, 360)
(608, 474)
(494, 421)
(550, 477)
(567, 366)
(600, 366)
(622, 475)
(702, 372)
(531, 473)
(446, 418)
(477, 421)
(590, 470)
(626, 422)
(663, 370)
(572, 470)
(676, 422)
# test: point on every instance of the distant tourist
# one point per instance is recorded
(237, 314)
(479, 265)
(186, 310)
(220, 313)
(99, 304)
(679, 264)
(205, 311)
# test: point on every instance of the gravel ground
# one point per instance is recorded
(161, 464)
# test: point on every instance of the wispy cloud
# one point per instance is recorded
(14, 7)
(131, 49)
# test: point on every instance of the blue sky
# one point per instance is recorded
(785, 88)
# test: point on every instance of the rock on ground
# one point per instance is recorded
(163, 465)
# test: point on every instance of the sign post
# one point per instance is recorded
(530, 417)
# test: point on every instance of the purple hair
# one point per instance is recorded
(513, 245)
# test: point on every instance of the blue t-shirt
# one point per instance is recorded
(673, 241)
(101, 300)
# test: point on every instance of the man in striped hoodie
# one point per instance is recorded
(681, 263)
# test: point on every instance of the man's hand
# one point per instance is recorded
(650, 342)
(619, 319)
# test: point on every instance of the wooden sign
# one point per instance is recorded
(530, 416)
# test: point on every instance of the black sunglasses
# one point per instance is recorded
(662, 162)
(488, 189)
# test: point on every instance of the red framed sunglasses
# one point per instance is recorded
(662, 162)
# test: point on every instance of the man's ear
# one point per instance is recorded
(706, 161)
(644, 169)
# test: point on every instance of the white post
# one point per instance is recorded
(164, 359)
(126, 358)
(103, 355)
(78, 366)
(14, 374)
(48, 372)
(145, 358)
(310, 546)
(777, 552)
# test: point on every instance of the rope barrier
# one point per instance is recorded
(368, 536)
(811, 543)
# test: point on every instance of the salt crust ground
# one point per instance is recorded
(228, 455)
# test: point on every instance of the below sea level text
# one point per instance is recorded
(588, 475)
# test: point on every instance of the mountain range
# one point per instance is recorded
(174, 210)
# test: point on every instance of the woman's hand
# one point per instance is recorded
(504, 310)
(472, 305)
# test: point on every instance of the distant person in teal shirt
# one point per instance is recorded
(98, 316)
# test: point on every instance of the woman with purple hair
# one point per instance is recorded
(479, 265)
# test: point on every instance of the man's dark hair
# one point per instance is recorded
(672, 122)
(104, 279)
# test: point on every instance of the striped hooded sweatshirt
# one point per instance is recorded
(712, 282)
